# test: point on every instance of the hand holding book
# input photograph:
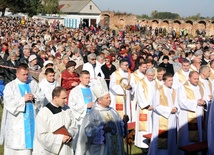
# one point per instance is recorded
(63, 131)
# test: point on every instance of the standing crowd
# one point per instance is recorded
(63, 89)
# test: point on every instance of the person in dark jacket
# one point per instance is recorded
(165, 64)
(10, 73)
(108, 68)
(2, 71)
(26, 52)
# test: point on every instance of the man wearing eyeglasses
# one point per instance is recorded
(116, 91)
(26, 54)
(92, 67)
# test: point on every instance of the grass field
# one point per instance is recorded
(134, 150)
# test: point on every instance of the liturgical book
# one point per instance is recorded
(62, 130)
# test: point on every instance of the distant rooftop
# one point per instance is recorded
(72, 6)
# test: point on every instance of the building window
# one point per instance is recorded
(90, 7)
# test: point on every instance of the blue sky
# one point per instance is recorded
(183, 7)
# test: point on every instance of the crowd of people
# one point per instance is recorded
(54, 78)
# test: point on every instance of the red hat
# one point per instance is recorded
(123, 51)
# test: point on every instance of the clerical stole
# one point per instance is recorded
(29, 122)
(136, 77)
(192, 117)
(158, 83)
(211, 75)
(143, 112)
(210, 85)
(120, 98)
(87, 95)
(181, 76)
(163, 122)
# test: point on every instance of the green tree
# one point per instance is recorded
(164, 15)
(154, 14)
(195, 17)
(50, 6)
(29, 7)
(3, 6)
(145, 16)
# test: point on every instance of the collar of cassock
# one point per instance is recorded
(53, 108)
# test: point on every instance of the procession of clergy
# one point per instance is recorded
(176, 109)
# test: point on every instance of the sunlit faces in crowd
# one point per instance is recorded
(150, 74)
(185, 65)
(85, 78)
(194, 78)
(50, 75)
(104, 101)
(168, 80)
(124, 65)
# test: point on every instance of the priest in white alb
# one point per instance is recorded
(117, 92)
(207, 85)
(164, 131)
(182, 75)
(191, 101)
(145, 92)
(159, 77)
(135, 78)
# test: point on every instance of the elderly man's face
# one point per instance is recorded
(199, 56)
(150, 76)
(13, 57)
(207, 73)
(92, 61)
(27, 52)
(105, 101)
(101, 60)
(197, 63)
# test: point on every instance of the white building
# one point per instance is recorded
(75, 12)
